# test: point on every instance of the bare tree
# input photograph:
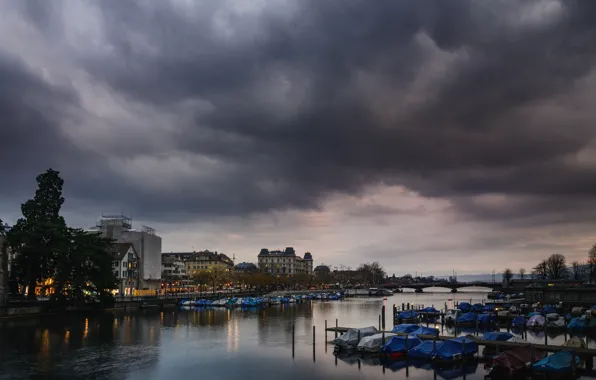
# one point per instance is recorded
(540, 271)
(556, 267)
(522, 273)
(507, 276)
(592, 264)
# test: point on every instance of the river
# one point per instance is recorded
(210, 343)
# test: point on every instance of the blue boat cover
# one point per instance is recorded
(424, 350)
(405, 328)
(500, 336)
(594, 307)
(518, 321)
(530, 315)
(489, 307)
(577, 324)
(426, 331)
(477, 307)
(485, 319)
(548, 310)
(430, 309)
(398, 344)
(453, 347)
(464, 306)
(410, 314)
(557, 362)
(467, 318)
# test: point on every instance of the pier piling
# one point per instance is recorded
(380, 322)
(383, 317)
(325, 330)
(313, 335)
(336, 326)
(293, 339)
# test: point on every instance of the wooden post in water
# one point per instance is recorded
(394, 313)
(379, 321)
(336, 326)
(313, 335)
(293, 339)
(573, 363)
(383, 317)
(325, 331)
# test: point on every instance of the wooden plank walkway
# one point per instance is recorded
(491, 343)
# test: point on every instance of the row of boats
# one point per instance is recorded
(259, 301)
(406, 340)
(480, 315)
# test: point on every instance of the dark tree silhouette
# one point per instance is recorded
(592, 264)
(577, 269)
(556, 267)
(522, 273)
(507, 276)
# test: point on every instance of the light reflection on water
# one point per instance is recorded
(215, 343)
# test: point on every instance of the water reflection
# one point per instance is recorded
(211, 343)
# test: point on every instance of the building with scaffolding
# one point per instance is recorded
(146, 244)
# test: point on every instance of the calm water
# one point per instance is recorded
(210, 344)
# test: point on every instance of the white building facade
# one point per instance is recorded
(146, 244)
(285, 262)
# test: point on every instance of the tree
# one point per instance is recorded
(578, 270)
(371, 273)
(556, 267)
(540, 270)
(37, 237)
(592, 264)
(522, 272)
(507, 276)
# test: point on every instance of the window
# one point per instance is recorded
(123, 273)
(124, 264)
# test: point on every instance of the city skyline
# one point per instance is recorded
(427, 137)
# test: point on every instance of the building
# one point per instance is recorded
(146, 243)
(246, 268)
(285, 262)
(173, 268)
(125, 264)
(196, 262)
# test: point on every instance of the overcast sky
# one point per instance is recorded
(429, 135)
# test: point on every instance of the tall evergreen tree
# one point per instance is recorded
(37, 237)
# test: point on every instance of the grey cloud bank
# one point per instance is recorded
(228, 111)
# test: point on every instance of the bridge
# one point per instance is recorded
(453, 286)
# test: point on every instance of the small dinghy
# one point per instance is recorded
(513, 362)
(456, 349)
(425, 350)
(409, 316)
(468, 319)
(558, 363)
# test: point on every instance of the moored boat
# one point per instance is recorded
(398, 346)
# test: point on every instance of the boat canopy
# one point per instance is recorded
(425, 350)
(518, 321)
(533, 313)
(536, 321)
(477, 307)
(549, 310)
(500, 336)
(350, 338)
(422, 330)
(405, 328)
(410, 314)
(467, 318)
(515, 359)
(489, 307)
(456, 347)
(400, 344)
(430, 309)
(464, 306)
(373, 343)
(577, 323)
(557, 362)
(485, 318)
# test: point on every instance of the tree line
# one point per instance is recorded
(555, 267)
(47, 253)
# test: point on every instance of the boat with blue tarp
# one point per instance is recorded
(425, 350)
(408, 316)
(467, 319)
(487, 319)
(405, 328)
(464, 307)
(494, 336)
(559, 362)
(456, 349)
(400, 345)
(477, 307)
(422, 330)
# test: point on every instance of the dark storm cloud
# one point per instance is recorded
(306, 99)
